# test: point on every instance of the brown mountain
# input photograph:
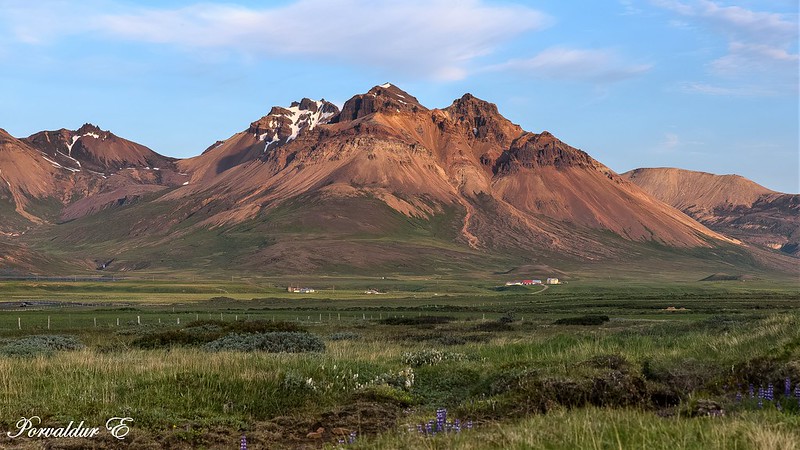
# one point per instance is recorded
(385, 184)
(729, 204)
(509, 188)
(62, 175)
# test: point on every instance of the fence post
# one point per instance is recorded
(95, 322)
(138, 320)
(19, 322)
(48, 322)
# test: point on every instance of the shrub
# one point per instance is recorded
(493, 326)
(202, 332)
(263, 326)
(420, 320)
(246, 326)
(276, 342)
(173, 338)
(589, 319)
(38, 345)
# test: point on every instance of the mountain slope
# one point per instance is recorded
(730, 204)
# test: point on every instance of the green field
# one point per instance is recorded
(589, 364)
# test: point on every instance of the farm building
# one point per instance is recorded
(553, 281)
(299, 290)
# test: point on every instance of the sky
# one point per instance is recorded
(707, 85)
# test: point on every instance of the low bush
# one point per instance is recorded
(589, 319)
(419, 320)
(494, 327)
(275, 342)
(40, 345)
(201, 332)
(177, 338)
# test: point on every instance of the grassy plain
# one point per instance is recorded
(663, 371)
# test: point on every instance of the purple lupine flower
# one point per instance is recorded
(752, 391)
(770, 392)
(761, 392)
(243, 443)
(787, 387)
(738, 397)
(441, 419)
(469, 424)
(352, 437)
(457, 426)
(419, 429)
(760, 402)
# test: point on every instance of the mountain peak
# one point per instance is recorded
(386, 98)
(88, 128)
(282, 125)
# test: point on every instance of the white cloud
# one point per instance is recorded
(736, 21)
(598, 65)
(671, 140)
(761, 46)
(743, 57)
(433, 38)
(728, 90)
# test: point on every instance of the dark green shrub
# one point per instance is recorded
(420, 320)
(493, 326)
(177, 338)
(201, 332)
(40, 345)
(263, 326)
(507, 318)
(589, 319)
(276, 342)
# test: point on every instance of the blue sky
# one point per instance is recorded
(707, 85)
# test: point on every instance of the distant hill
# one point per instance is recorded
(729, 204)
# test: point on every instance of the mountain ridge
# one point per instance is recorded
(313, 184)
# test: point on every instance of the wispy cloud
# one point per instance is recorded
(759, 44)
(438, 39)
(563, 63)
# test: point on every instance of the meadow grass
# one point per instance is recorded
(497, 358)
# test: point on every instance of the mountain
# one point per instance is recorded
(62, 175)
(729, 204)
(383, 185)
(387, 166)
